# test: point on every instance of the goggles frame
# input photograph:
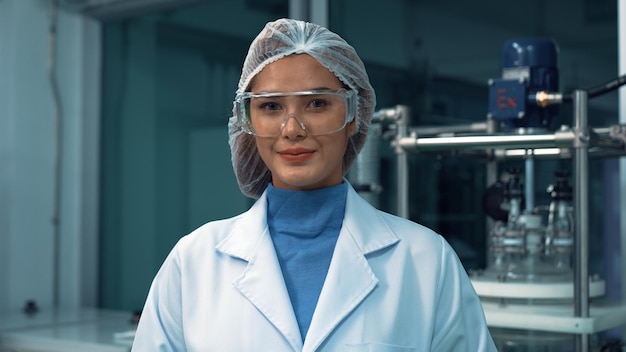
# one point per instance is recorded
(242, 111)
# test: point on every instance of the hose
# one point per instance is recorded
(600, 89)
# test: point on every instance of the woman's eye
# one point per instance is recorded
(318, 103)
(270, 106)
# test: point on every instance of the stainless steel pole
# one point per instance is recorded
(299, 9)
(559, 138)
(319, 13)
(581, 209)
(437, 130)
(491, 177)
(402, 125)
(621, 45)
(492, 165)
(529, 184)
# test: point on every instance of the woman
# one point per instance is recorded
(311, 266)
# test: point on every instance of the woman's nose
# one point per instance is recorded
(293, 127)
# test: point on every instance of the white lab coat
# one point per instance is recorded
(392, 285)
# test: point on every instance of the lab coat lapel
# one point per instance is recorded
(350, 278)
(262, 281)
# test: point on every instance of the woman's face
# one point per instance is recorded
(297, 159)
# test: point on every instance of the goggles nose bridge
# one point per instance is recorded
(295, 117)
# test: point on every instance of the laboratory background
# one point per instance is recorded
(499, 124)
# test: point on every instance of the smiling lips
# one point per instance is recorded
(296, 154)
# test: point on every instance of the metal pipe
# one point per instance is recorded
(491, 178)
(621, 187)
(308, 10)
(402, 123)
(318, 12)
(560, 138)
(436, 130)
(58, 151)
(492, 165)
(581, 206)
(403, 183)
(542, 152)
(529, 184)
(388, 115)
(365, 172)
(299, 9)
(543, 99)
(498, 155)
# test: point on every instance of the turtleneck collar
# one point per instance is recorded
(306, 213)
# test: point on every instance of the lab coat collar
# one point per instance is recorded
(366, 226)
(350, 278)
(367, 229)
(262, 281)
(348, 282)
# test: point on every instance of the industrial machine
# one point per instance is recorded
(529, 66)
(536, 288)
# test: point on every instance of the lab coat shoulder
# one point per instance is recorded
(207, 237)
(237, 236)
(194, 285)
(417, 268)
(374, 228)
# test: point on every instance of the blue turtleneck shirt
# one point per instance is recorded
(304, 226)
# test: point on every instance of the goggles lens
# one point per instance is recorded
(317, 112)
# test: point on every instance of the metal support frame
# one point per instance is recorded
(581, 209)
(580, 139)
(400, 118)
(621, 34)
(402, 123)
(526, 141)
(312, 11)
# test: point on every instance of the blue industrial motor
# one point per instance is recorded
(529, 65)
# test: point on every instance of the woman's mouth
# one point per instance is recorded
(296, 155)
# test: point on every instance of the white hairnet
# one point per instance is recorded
(279, 39)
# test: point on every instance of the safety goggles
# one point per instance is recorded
(317, 112)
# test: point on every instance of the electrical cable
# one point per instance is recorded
(613, 346)
(606, 87)
(58, 149)
(599, 89)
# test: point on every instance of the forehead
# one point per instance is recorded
(294, 73)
